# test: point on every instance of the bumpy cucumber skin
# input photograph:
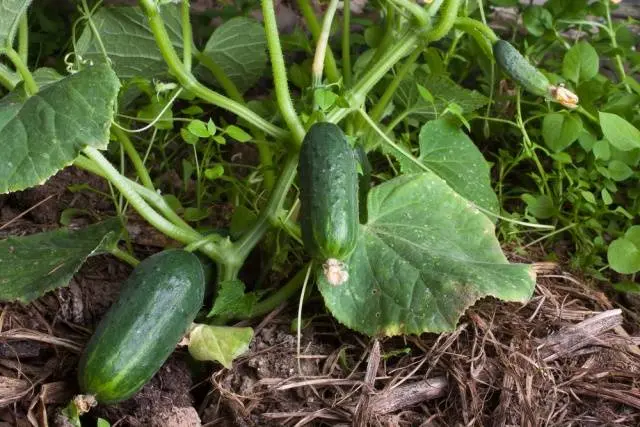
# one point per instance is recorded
(519, 69)
(328, 193)
(157, 304)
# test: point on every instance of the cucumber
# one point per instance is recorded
(157, 304)
(328, 195)
(520, 70)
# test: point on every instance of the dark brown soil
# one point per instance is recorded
(562, 359)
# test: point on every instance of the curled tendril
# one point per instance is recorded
(76, 62)
(564, 96)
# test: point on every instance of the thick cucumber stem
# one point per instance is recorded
(321, 45)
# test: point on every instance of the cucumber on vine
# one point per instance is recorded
(329, 198)
(157, 305)
(520, 69)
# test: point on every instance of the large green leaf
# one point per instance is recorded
(44, 133)
(10, 13)
(425, 255)
(35, 264)
(444, 91)
(620, 133)
(446, 150)
(239, 48)
(129, 42)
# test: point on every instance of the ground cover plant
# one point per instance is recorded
(369, 163)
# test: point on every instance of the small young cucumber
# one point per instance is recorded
(328, 195)
(519, 69)
(157, 304)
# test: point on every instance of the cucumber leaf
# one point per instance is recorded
(32, 265)
(239, 48)
(219, 343)
(128, 41)
(446, 150)
(44, 133)
(10, 13)
(443, 90)
(423, 258)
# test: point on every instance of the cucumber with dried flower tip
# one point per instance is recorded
(520, 69)
(158, 303)
(328, 176)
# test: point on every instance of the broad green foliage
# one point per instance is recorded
(560, 130)
(239, 48)
(624, 252)
(33, 265)
(444, 92)
(446, 150)
(425, 255)
(219, 343)
(232, 300)
(581, 63)
(44, 133)
(128, 41)
(10, 13)
(620, 133)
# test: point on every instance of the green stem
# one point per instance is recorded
(281, 295)
(614, 44)
(221, 77)
(357, 95)
(23, 38)
(469, 25)
(152, 197)
(190, 83)
(266, 162)
(29, 83)
(378, 110)
(346, 43)
(528, 145)
(269, 213)
(420, 15)
(447, 19)
(321, 45)
(134, 157)
(183, 235)
(389, 35)
(588, 115)
(280, 73)
(314, 27)
(124, 256)
(187, 37)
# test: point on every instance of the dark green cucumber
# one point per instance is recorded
(520, 69)
(157, 304)
(328, 193)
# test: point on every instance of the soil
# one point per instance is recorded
(568, 357)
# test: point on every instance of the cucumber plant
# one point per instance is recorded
(143, 94)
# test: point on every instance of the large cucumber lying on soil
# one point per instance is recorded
(157, 304)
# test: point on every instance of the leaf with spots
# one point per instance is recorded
(32, 265)
(425, 255)
(446, 150)
(44, 133)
